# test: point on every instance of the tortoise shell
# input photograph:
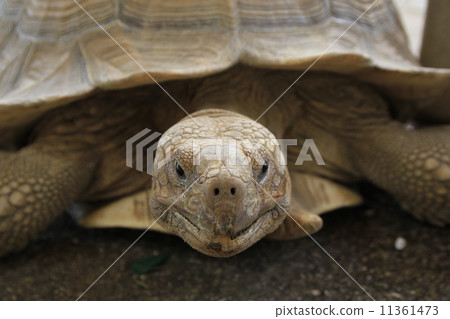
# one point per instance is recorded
(53, 52)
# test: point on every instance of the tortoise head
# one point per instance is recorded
(219, 182)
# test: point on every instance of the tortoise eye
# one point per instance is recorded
(264, 169)
(179, 170)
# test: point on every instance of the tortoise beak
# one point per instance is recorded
(223, 240)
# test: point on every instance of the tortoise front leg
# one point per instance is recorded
(36, 185)
(414, 166)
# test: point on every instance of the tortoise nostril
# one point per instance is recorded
(223, 189)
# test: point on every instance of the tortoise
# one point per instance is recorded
(79, 80)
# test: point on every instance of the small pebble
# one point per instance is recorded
(400, 243)
(410, 126)
(396, 295)
(315, 292)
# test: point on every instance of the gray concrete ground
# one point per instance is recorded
(67, 259)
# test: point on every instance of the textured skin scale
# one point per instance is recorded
(60, 152)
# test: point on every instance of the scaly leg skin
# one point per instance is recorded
(36, 185)
(358, 139)
(414, 166)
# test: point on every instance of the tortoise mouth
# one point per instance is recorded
(222, 245)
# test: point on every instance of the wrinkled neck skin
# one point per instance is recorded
(248, 92)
